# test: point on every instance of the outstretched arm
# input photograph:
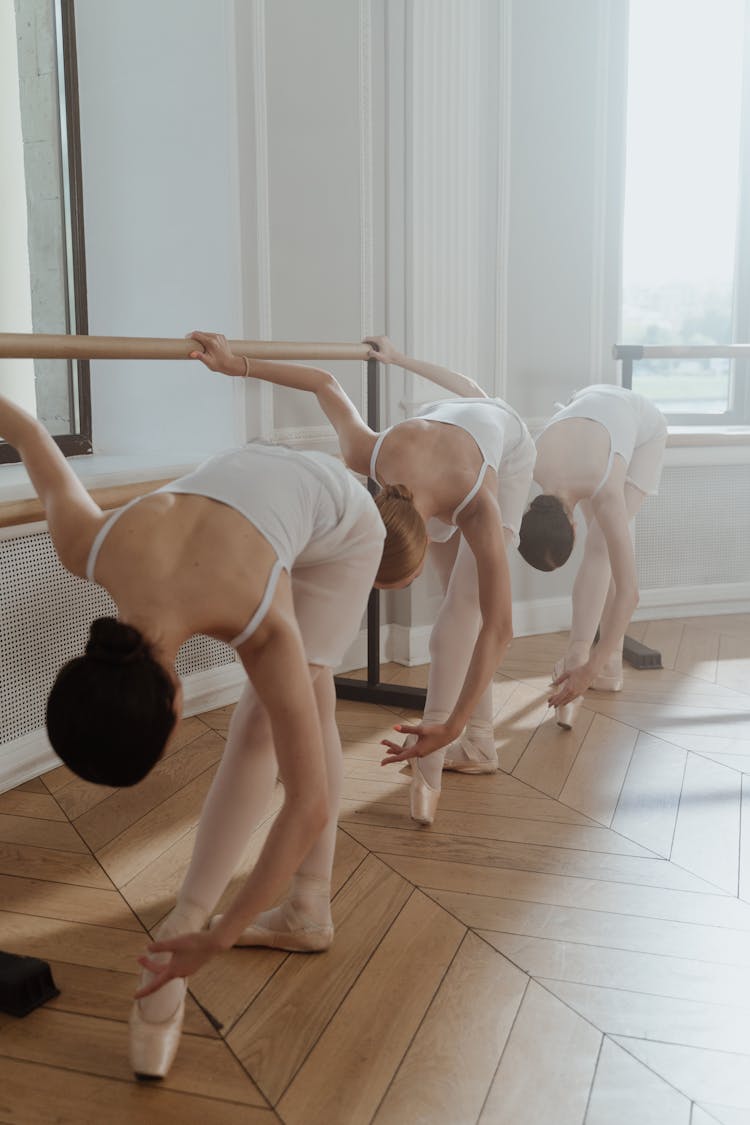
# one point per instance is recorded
(274, 659)
(72, 516)
(611, 515)
(483, 530)
(355, 438)
(384, 351)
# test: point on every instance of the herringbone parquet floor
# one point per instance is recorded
(569, 943)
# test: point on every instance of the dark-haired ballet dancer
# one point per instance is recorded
(604, 451)
(273, 551)
(456, 478)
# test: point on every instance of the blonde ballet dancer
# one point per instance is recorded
(273, 551)
(454, 479)
(604, 452)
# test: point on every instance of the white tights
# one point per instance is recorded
(451, 647)
(236, 803)
(594, 589)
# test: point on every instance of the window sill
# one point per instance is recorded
(708, 435)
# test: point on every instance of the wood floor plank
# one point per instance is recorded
(479, 826)
(707, 832)
(744, 881)
(58, 836)
(631, 971)
(665, 637)
(517, 723)
(451, 1062)
(376, 1021)
(47, 864)
(100, 1047)
(713, 1027)
(596, 776)
(528, 857)
(703, 1076)
(306, 991)
(24, 802)
(650, 796)
(550, 754)
(124, 807)
(698, 653)
(38, 1095)
(625, 1091)
(723, 1114)
(64, 901)
(560, 890)
(598, 927)
(557, 1087)
(101, 946)
(734, 654)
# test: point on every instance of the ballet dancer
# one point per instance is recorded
(273, 551)
(455, 478)
(604, 451)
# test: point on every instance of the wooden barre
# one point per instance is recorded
(19, 345)
(14, 513)
(687, 351)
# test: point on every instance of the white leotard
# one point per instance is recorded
(495, 427)
(629, 419)
(303, 503)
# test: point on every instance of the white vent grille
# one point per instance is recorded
(45, 615)
(697, 530)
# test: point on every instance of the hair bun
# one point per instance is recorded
(114, 642)
(545, 503)
(397, 492)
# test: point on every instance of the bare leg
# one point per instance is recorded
(612, 671)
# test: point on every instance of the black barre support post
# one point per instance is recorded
(372, 690)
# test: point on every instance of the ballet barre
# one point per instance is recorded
(629, 353)
(19, 345)
(14, 345)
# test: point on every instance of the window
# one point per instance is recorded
(42, 278)
(686, 184)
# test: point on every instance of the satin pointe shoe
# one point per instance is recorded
(302, 936)
(565, 716)
(423, 799)
(468, 755)
(604, 682)
(153, 1046)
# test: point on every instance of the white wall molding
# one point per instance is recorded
(502, 249)
(366, 168)
(599, 186)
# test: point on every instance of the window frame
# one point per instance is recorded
(79, 441)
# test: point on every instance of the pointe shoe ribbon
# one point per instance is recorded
(303, 935)
(473, 751)
(153, 1046)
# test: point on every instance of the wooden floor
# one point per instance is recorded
(570, 942)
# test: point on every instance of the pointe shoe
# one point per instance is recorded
(153, 1046)
(423, 799)
(603, 682)
(469, 757)
(303, 935)
(565, 716)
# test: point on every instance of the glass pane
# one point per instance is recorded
(34, 264)
(681, 198)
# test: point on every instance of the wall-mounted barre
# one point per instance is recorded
(17, 345)
(14, 513)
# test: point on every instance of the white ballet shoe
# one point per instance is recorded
(603, 682)
(303, 935)
(565, 716)
(467, 755)
(423, 799)
(153, 1046)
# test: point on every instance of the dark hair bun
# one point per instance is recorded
(397, 492)
(115, 643)
(545, 503)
